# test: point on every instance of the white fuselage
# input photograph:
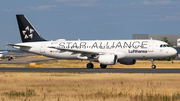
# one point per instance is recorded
(3, 54)
(124, 49)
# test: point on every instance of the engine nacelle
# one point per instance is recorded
(10, 58)
(127, 61)
(108, 59)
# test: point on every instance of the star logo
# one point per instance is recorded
(28, 33)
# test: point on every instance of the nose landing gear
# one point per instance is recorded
(153, 66)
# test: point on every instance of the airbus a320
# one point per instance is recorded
(106, 52)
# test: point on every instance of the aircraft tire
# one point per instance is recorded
(90, 65)
(153, 66)
(103, 66)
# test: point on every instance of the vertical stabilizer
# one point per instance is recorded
(27, 31)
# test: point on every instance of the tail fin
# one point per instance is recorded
(27, 31)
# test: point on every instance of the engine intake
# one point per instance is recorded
(10, 58)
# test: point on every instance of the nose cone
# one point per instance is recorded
(173, 51)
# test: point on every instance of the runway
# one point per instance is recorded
(85, 70)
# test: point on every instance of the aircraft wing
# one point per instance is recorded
(18, 45)
(78, 51)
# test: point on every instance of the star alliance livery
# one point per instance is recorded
(106, 52)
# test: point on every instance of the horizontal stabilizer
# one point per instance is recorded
(18, 45)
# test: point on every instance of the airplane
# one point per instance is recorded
(106, 52)
(5, 54)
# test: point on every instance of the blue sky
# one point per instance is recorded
(90, 19)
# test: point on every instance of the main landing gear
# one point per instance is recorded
(153, 66)
(90, 65)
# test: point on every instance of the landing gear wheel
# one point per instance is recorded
(103, 66)
(90, 65)
(153, 66)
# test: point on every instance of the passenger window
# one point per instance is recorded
(160, 45)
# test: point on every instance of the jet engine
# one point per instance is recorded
(127, 61)
(10, 58)
(108, 59)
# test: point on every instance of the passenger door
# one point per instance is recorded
(150, 46)
(43, 47)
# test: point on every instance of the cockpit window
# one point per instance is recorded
(164, 45)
